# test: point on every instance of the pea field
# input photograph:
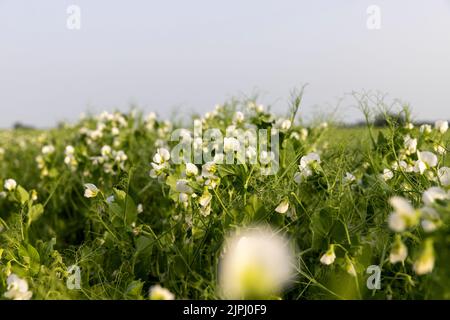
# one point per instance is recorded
(112, 206)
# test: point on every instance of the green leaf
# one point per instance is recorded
(134, 289)
(35, 212)
(22, 195)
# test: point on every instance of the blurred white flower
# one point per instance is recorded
(115, 131)
(255, 264)
(410, 144)
(10, 184)
(48, 149)
(17, 288)
(425, 263)
(230, 144)
(140, 208)
(328, 257)
(162, 155)
(429, 158)
(283, 207)
(91, 190)
(387, 174)
(160, 163)
(432, 194)
(399, 251)
(106, 151)
(349, 178)
(420, 167)
(404, 215)
(425, 128)
(183, 197)
(441, 150)
(191, 169)
(441, 126)
(182, 186)
(430, 219)
(159, 293)
(409, 126)
(286, 125)
(444, 176)
(238, 117)
(309, 159)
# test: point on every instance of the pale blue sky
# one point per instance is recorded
(190, 55)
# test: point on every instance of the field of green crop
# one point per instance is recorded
(101, 209)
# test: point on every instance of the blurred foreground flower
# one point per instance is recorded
(399, 251)
(159, 293)
(256, 264)
(425, 263)
(17, 288)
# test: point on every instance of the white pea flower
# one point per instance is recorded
(183, 197)
(182, 186)
(409, 126)
(208, 169)
(425, 128)
(429, 158)
(399, 251)
(230, 144)
(441, 126)
(303, 134)
(404, 215)
(140, 208)
(432, 194)
(283, 207)
(115, 131)
(387, 174)
(328, 257)
(160, 163)
(285, 125)
(110, 199)
(255, 264)
(120, 156)
(425, 263)
(349, 178)
(266, 157)
(17, 288)
(106, 151)
(350, 267)
(159, 293)
(251, 154)
(444, 176)
(48, 149)
(191, 170)
(162, 155)
(420, 167)
(10, 184)
(69, 150)
(309, 160)
(238, 117)
(441, 150)
(430, 219)
(205, 199)
(410, 145)
(91, 190)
